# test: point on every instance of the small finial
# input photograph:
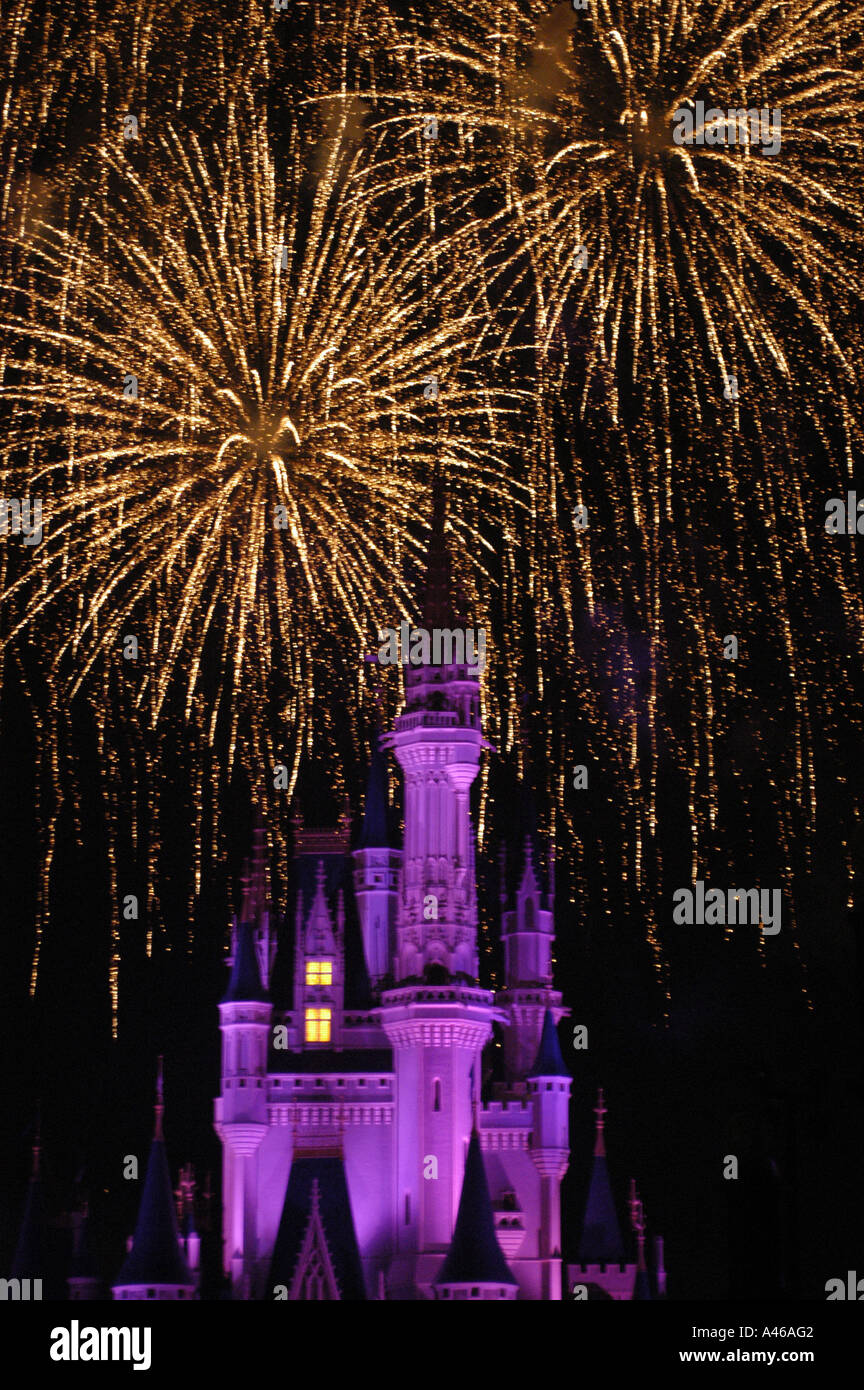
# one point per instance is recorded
(637, 1219)
(254, 876)
(600, 1112)
(159, 1107)
(185, 1195)
(36, 1147)
(659, 1266)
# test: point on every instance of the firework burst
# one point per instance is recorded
(688, 317)
(219, 383)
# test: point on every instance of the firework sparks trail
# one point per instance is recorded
(216, 387)
(688, 316)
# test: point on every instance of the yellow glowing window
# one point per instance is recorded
(319, 972)
(317, 1025)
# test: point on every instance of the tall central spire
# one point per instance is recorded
(438, 605)
(254, 879)
(437, 740)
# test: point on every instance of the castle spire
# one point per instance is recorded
(600, 1112)
(438, 741)
(155, 1260)
(475, 1259)
(642, 1283)
(549, 1061)
(244, 985)
(29, 1259)
(438, 608)
(83, 1281)
(377, 863)
(159, 1107)
(376, 813)
(254, 878)
(601, 1242)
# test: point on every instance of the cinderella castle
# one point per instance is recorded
(368, 1151)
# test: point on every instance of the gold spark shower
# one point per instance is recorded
(688, 316)
(218, 376)
(217, 340)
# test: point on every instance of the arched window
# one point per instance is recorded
(436, 1094)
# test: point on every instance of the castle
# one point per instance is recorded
(360, 1159)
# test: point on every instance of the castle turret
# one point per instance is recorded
(29, 1263)
(527, 933)
(549, 1088)
(438, 741)
(255, 904)
(319, 964)
(154, 1266)
(437, 1019)
(83, 1281)
(190, 1240)
(241, 1110)
(475, 1267)
(602, 1260)
(642, 1283)
(377, 864)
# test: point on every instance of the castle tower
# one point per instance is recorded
(154, 1266)
(436, 1019)
(527, 933)
(377, 864)
(30, 1259)
(549, 1088)
(241, 1109)
(255, 905)
(83, 1281)
(438, 741)
(602, 1261)
(475, 1267)
(319, 964)
(190, 1240)
(642, 1282)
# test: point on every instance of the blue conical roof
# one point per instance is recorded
(375, 833)
(549, 1061)
(82, 1265)
(326, 1174)
(30, 1253)
(245, 984)
(601, 1242)
(156, 1257)
(475, 1257)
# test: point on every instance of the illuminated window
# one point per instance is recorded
(319, 972)
(317, 1025)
